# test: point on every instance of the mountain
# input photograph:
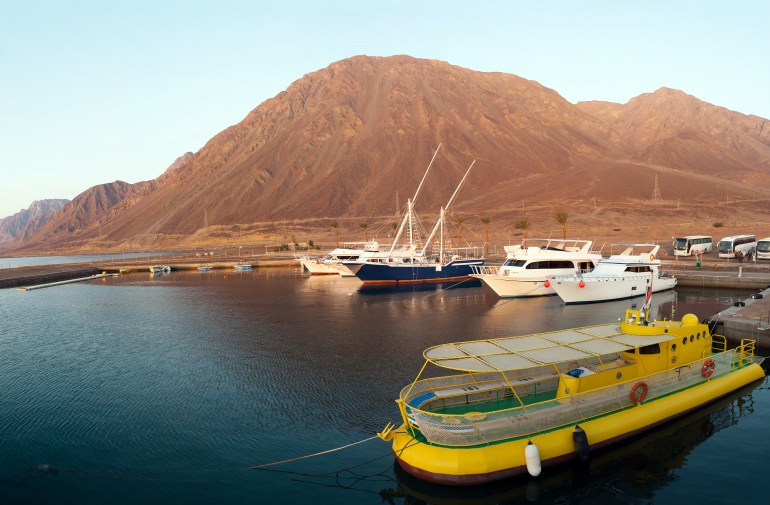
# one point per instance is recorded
(26, 222)
(349, 141)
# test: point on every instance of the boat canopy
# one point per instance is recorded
(530, 351)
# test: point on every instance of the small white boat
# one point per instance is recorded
(156, 269)
(529, 264)
(205, 268)
(166, 269)
(626, 275)
(242, 266)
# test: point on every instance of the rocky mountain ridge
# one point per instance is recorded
(347, 142)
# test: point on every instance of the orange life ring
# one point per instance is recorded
(652, 257)
(639, 392)
(708, 368)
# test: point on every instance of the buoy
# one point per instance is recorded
(581, 284)
(547, 284)
(580, 439)
(532, 457)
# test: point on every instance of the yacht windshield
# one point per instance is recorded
(514, 263)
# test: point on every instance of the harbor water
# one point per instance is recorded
(170, 388)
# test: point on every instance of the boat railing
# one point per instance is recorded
(477, 426)
(602, 278)
(718, 343)
(485, 270)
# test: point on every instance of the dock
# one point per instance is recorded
(44, 274)
(747, 319)
(68, 281)
(31, 277)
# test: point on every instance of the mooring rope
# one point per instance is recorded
(312, 455)
(444, 289)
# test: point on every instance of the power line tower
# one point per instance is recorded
(656, 191)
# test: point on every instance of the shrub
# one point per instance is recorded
(717, 225)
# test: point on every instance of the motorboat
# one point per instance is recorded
(634, 272)
(517, 405)
(332, 263)
(527, 266)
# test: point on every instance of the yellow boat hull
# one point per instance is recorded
(483, 464)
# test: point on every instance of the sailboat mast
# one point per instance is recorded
(410, 210)
(441, 241)
(438, 223)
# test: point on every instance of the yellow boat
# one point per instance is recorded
(519, 404)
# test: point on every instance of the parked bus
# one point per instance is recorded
(763, 249)
(692, 244)
(729, 247)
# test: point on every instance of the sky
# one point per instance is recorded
(97, 91)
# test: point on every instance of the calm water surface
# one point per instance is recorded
(166, 389)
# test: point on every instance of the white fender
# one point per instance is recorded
(532, 457)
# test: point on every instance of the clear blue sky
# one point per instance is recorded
(97, 91)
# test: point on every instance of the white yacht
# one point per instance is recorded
(331, 264)
(625, 275)
(527, 265)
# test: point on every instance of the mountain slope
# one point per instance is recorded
(26, 222)
(347, 141)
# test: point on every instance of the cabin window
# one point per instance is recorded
(514, 263)
(673, 347)
(550, 264)
(692, 338)
(650, 349)
(684, 340)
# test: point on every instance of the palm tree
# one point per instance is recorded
(366, 231)
(335, 225)
(561, 217)
(523, 225)
(459, 220)
(485, 220)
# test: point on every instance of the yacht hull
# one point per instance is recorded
(384, 273)
(596, 290)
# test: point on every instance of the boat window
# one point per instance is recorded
(692, 338)
(550, 264)
(684, 340)
(673, 347)
(644, 268)
(650, 349)
(514, 263)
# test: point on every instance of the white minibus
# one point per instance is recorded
(692, 244)
(729, 247)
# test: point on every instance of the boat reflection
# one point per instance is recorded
(625, 474)
(374, 289)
